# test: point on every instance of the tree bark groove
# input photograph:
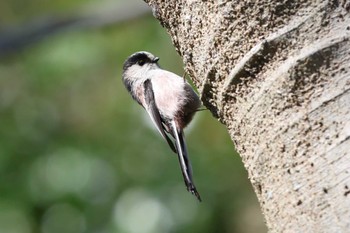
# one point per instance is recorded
(277, 74)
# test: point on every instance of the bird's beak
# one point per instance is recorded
(156, 59)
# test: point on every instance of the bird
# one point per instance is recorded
(170, 102)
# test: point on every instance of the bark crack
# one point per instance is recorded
(259, 51)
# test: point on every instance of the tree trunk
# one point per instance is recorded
(276, 73)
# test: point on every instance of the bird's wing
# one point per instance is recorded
(153, 112)
(184, 160)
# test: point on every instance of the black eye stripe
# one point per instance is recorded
(141, 62)
(138, 58)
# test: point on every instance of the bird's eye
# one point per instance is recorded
(141, 62)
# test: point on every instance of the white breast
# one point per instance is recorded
(168, 91)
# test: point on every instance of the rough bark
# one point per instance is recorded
(276, 73)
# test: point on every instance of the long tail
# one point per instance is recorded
(184, 160)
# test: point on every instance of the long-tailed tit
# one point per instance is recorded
(169, 101)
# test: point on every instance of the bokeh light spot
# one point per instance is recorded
(69, 170)
(137, 212)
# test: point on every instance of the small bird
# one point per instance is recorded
(169, 101)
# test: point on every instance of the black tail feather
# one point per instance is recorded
(184, 161)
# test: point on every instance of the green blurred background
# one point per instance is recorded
(77, 154)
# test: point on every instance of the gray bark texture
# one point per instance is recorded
(277, 74)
